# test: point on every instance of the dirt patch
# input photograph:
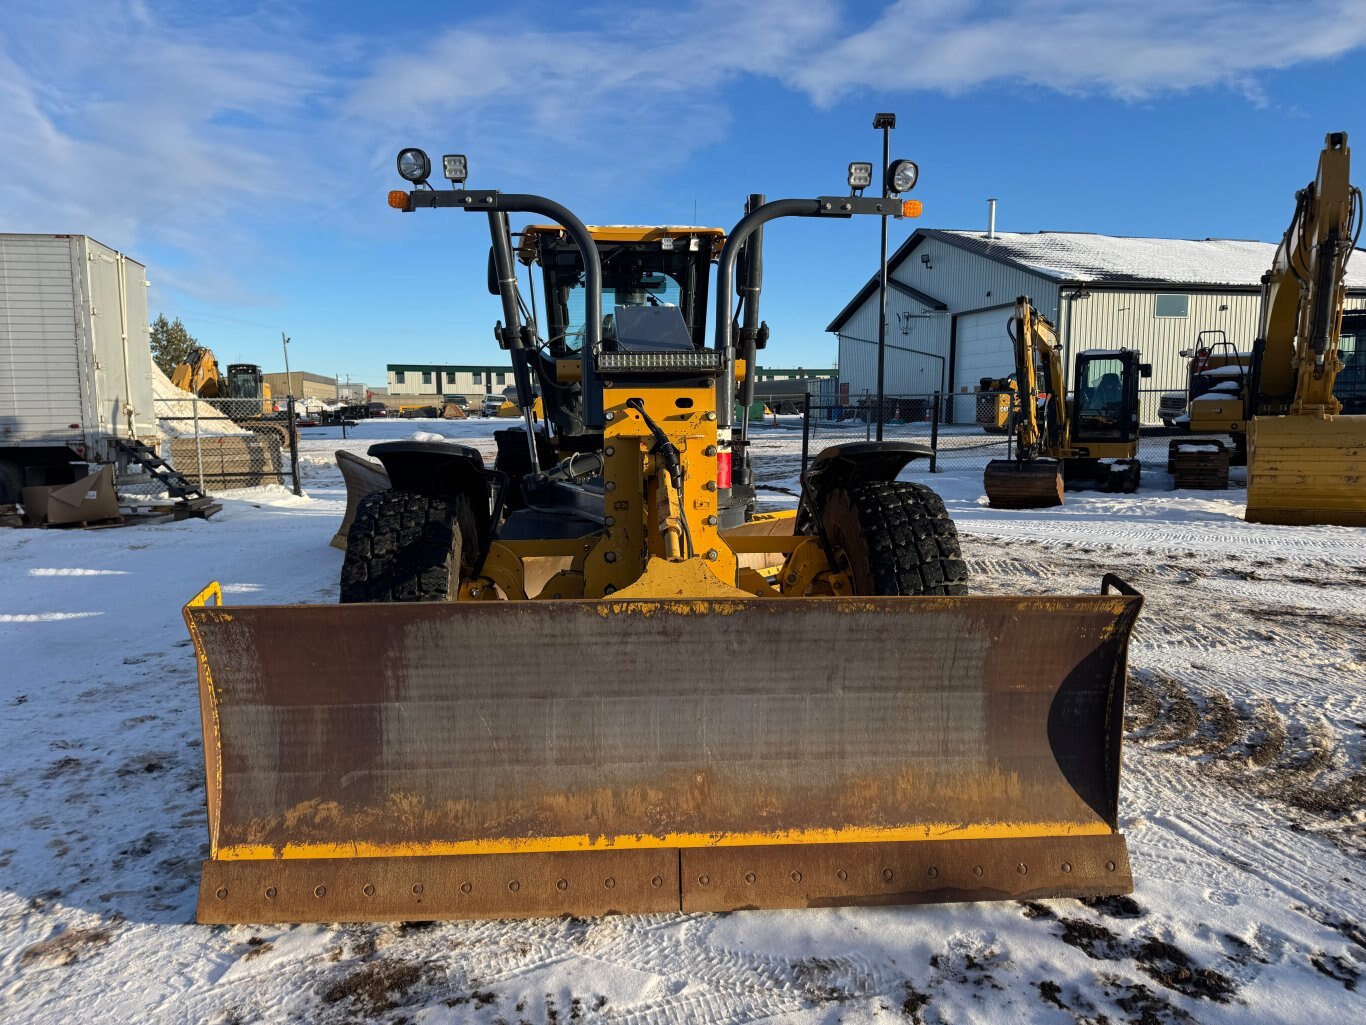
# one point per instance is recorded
(1147, 1007)
(914, 1004)
(1095, 941)
(61, 767)
(1172, 968)
(1115, 907)
(1033, 909)
(1052, 994)
(1267, 739)
(1335, 799)
(66, 947)
(819, 978)
(1337, 968)
(1219, 726)
(1141, 707)
(376, 987)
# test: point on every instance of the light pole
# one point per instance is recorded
(886, 122)
(289, 381)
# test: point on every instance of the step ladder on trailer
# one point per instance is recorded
(190, 499)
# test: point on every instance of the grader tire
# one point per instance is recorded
(404, 546)
(896, 538)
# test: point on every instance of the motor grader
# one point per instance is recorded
(1091, 440)
(699, 707)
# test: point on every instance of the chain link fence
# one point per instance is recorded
(221, 445)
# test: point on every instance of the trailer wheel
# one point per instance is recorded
(895, 538)
(404, 546)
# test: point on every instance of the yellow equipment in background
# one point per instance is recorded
(694, 707)
(1053, 443)
(995, 396)
(198, 374)
(1307, 461)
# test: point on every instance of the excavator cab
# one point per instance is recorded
(1105, 400)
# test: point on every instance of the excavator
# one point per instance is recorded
(698, 706)
(1306, 459)
(199, 375)
(1053, 445)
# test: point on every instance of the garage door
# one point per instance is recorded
(984, 349)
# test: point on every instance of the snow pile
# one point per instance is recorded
(177, 409)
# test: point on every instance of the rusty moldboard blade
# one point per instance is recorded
(1011, 484)
(427, 888)
(938, 871)
(366, 730)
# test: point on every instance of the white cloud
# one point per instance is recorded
(140, 131)
(633, 91)
(197, 133)
(1112, 47)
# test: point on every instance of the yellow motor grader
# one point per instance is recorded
(1091, 440)
(695, 706)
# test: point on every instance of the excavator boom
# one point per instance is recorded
(1307, 461)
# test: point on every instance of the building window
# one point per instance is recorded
(1172, 306)
(450, 377)
(478, 377)
(398, 377)
(502, 379)
(426, 377)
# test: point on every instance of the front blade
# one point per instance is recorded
(370, 731)
(1307, 470)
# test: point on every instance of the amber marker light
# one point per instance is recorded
(911, 208)
(398, 199)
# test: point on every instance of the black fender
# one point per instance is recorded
(442, 469)
(844, 466)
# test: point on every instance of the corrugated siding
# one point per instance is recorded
(964, 282)
(1113, 320)
(40, 363)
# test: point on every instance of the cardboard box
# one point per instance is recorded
(88, 499)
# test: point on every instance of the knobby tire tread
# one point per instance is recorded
(898, 538)
(404, 546)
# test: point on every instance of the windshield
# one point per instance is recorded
(1100, 398)
(634, 275)
(243, 384)
(648, 289)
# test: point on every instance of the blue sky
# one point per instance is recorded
(243, 150)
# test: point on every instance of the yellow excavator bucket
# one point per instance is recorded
(366, 762)
(1306, 468)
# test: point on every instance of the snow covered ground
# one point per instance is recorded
(1244, 800)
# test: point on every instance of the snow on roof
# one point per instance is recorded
(1080, 256)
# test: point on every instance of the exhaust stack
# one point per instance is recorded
(991, 218)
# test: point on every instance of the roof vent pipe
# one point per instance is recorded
(991, 218)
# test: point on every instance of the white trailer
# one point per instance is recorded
(75, 358)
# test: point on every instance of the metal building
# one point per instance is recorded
(950, 296)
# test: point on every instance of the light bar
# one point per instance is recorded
(654, 362)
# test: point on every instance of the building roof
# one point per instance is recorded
(1110, 259)
(453, 367)
(1073, 257)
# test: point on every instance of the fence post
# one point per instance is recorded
(198, 448)
(293, 447)
(934, 435)
(806, 433)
